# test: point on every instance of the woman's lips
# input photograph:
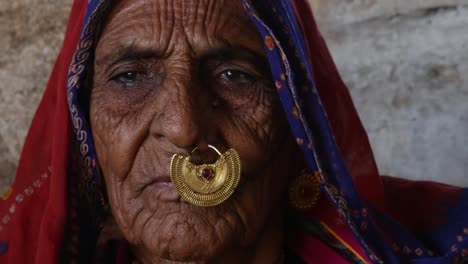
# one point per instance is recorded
(162, 189)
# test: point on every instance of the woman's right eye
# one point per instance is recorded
(127, 78)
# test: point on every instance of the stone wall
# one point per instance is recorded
(405, 62)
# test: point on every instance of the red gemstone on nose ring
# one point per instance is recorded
(207, 173)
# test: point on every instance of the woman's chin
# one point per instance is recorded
(185, 236)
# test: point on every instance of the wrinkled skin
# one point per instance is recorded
(170, 76)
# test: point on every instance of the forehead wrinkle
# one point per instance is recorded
(137, 27)
(163, 14)
(215, 19)
(188, 25)
(145, 32)
(209, 23)
(122, 9)
(213, 16)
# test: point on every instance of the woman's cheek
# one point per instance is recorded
(253, 137)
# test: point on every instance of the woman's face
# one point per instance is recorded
(170, 76)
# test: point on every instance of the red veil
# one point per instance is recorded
(34, 215)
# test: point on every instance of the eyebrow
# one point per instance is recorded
(129, 53)
(229, 53)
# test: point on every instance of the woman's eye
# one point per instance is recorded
(236, 76)
(127, 78)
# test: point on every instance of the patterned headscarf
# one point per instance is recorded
(55, 208)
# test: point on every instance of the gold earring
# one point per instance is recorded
(208, 184)
(304, 191)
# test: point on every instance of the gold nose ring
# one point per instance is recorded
(207, 184)
(211, 147)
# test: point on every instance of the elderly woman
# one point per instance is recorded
(211, 132)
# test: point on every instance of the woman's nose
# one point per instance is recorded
(181, 120)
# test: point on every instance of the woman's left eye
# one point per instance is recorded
(237, 76)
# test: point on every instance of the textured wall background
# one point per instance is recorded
(405, 61)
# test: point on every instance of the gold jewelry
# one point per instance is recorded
(304, 191)
(208, 184)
